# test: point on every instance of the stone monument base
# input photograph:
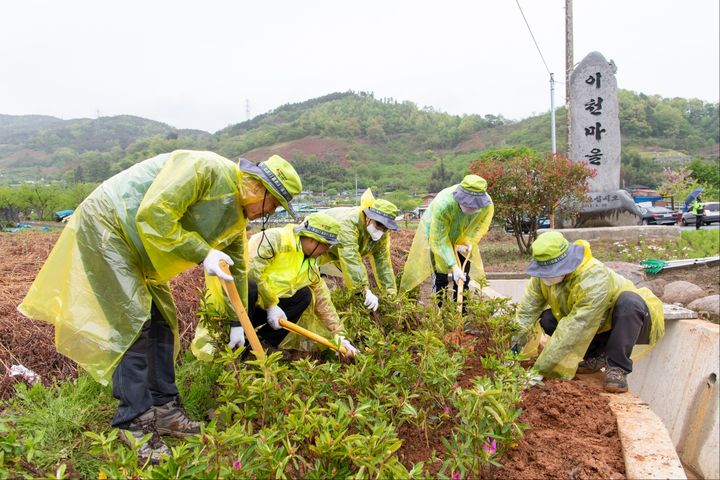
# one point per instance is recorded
(607, 209)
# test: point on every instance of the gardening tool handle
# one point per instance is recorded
(287, 325)
(461, 282)
(232, 293)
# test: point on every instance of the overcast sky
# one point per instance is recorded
(194, 64)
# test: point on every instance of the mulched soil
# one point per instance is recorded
(573, 433)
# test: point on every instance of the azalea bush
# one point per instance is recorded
(318, 417)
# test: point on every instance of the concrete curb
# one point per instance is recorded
(648, 450)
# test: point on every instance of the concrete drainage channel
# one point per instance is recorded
(671, 411)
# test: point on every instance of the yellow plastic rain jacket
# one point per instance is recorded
(126, 240)
(356, 244)
(583, 304)
(280, 269)
(444, 225)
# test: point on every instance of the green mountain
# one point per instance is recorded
(343, 138)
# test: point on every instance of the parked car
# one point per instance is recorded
(542, 222)
(711, 214)
(658, 216)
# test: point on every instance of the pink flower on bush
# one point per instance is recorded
(490, 447)
(456, 476)
(237, 465)
(446, 410)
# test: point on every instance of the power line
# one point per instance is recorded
(533, 36)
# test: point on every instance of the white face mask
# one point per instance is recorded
(550, 281)
(468, 210)
(375, 233)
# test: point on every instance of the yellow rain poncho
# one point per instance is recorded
(583, 304)
(356, 244)
(280, 269)
(442, 226)
(124, 243)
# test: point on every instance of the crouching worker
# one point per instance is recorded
(593, 315)
(105, 285)
(363, 233)
(284, 280)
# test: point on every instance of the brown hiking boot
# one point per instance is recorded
(615, 380)
(172, 420)
(153, 449)
(592, 365)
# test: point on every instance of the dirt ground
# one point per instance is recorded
(571, 415)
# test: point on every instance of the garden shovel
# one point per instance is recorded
(312, 336)
(461, 282)
(232, 293)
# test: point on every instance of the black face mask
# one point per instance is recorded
(265, 219)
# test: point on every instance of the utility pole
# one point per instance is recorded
(552, 114)
(568, 67)
(247, 109)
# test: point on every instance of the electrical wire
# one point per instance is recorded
(533, 37)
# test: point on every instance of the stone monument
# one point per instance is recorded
(595, 139)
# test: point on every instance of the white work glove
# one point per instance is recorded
(351, 350)
(371, 300)
(463, 249)
(274, 314)
(212, 264)
(237, 337)
(458, 274)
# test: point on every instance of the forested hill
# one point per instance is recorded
(341, 136)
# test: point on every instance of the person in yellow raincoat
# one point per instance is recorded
(449, 231)
(593, 315)
(284, 281)
(363, 233)
(105, 284)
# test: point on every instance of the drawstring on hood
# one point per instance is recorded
(265, 219)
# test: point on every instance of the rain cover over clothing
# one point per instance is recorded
(279, 267)
(583, 304)
(442, 226)
(356, 244)
(126, 240)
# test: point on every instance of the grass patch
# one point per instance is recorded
(60, 414)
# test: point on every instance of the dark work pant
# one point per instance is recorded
(442, 281)
(630, 326)
(293, 307)
(698, 221)
(145, 376)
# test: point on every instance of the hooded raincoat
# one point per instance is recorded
(583, 304)
(356, 244)
(444, 225)
(126, 240)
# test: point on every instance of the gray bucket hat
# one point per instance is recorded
(554, 256)
(472, 193)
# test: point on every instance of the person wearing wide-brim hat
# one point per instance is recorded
(595, 317)
(364, 234)
(284, 281)
(105, 286)
(454, 222)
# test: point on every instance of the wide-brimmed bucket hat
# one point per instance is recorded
(554, 256)
(278, 176)
(383, 212)
(321, 227)
(472, 193)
